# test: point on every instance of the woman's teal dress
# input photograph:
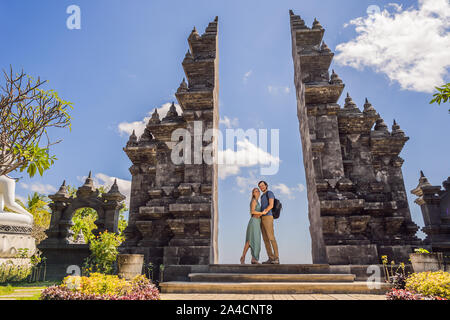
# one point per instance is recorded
(254, 234)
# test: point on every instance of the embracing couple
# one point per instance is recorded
(261, 222)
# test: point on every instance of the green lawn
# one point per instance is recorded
(25, 288)
(4, 290)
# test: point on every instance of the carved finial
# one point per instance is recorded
(368, 106)
(89, 182)
(114, 187)
(132, 141)
(423, 181)
(325, 47)
(155, 117)
(446, 184)
(183, 86)
(114, 194)
(396, 131)
(194, 34)
(291, 13)
(62, 190)
(380, 125)
(349, 104)
(216, 19)
(335, 78)
(172, 113)
(316, 24)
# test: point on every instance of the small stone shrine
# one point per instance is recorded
(60, 248)
(435, 206)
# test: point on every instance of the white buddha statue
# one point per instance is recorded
(15, 227)
(20, 216)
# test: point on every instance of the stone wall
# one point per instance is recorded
(357, 202)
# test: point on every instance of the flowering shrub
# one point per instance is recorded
(102, 287)
(103, 253)
(402, 294)
(430, 283)
(97, 283)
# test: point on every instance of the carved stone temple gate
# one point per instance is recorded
(60, 248)
(357, 203)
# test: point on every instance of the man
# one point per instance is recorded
(267, 199)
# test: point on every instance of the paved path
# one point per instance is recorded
(207, 296)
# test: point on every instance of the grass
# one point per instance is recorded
(7, 289)
(4, 290)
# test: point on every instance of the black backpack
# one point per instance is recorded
(277, 206)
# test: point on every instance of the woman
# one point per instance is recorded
(253, 238)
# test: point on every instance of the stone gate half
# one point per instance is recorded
(174, 207)
(358, 209)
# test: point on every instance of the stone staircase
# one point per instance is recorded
(271, 279)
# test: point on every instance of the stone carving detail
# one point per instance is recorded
(64, 207)
(15, 229)
(173, 208)
(357, 202)
(435, 205)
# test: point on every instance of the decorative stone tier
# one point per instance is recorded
(15, 234)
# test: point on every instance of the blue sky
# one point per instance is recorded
(126, 60)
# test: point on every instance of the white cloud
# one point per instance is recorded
(246, 184)
(246, 76)
(247, 155)
(101, 179)
(274, 90)
(411, 46)
(228, 123)
(139, 126)
(289, 192)
(39, 188)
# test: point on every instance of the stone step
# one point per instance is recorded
(271, 268)
(264, 277)
(272, 287)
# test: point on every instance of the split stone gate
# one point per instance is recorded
(357, 203)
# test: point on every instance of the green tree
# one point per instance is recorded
(443, 95)
(26, 113)
(37, 205)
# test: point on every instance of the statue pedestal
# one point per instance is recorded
(15, 234)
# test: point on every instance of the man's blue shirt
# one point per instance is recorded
(265, 201)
